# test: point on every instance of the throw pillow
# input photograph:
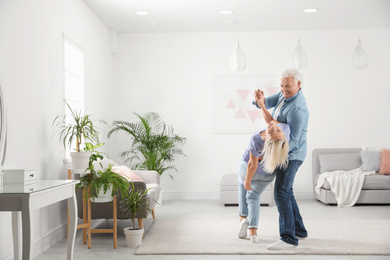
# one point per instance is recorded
(339, 162)
(127, 173)
(385, 162)
(371, 160)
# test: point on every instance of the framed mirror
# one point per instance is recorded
(3, 129)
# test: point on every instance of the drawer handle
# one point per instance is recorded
(31, 175)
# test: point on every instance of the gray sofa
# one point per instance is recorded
(375, 190)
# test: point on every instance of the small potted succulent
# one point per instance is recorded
(76, 128)
(134, 203)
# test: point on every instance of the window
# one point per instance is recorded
(74, 80)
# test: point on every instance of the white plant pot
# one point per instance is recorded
(80, 161)
(104, 196)
(133, 237)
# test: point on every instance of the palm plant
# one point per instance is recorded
(154, 144)
(80, 129)
(134, 203)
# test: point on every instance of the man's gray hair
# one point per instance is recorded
(291, 72)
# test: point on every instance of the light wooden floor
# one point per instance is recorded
(102, 244)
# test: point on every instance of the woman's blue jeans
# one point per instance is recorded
(290, 220)
(249, 201)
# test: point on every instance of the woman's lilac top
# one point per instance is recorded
(256, 145)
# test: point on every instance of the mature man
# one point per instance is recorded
(290, 108)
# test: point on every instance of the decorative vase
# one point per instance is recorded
(103, 196)
(80, 161)
(133, 236)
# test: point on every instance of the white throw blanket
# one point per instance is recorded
(346, 185)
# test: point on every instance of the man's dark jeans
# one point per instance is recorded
(290, 220)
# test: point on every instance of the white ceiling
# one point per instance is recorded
(253, 15)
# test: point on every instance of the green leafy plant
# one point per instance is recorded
(102, 179)
(154, 144)
(80, 128)
(134, 203)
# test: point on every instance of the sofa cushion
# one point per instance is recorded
(371, 160)
(371, 182)
(229, 182)
(339, 162)
(127, 173)
(385, 162)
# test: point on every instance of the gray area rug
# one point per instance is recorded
(219, 237)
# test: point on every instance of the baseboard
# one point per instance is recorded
(46, 242)
(49, 240)
(304, 195)
(172, 195)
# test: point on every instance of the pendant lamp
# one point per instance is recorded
(359, 57)
(237, 58)
(299, 57)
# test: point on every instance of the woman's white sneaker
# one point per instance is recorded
(280, 245)
(255, 239)
(243, 228)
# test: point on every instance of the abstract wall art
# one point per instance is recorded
(233, 111)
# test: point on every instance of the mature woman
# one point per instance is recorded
(267, 150)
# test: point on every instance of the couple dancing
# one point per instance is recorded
(275, 152)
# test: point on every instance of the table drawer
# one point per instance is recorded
(19, 176)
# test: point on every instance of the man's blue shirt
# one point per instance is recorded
(294, 112)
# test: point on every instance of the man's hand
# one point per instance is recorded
(247, 184)
(259, 97)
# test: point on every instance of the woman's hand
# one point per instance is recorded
(247, 184)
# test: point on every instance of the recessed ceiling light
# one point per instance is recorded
(230, 21)
(226, 11)
(142, 12)
(310, 10)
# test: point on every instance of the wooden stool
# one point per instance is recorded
(86, 225)
(114, 228)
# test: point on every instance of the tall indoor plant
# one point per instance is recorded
(76, 129)
(154, 144)
(134, 203)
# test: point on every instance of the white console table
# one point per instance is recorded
(20, 198)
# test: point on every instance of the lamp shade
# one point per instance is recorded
(237, 59)
(299, 57)
(359, 57)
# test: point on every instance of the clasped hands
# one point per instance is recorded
(259, 97)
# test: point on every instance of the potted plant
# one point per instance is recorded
(75, 129)
(134, 204)
(154, 147)
(104, 183)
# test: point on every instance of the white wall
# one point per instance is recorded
(171, 73)
(32, 80)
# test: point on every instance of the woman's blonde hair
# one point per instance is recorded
(275, 155)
